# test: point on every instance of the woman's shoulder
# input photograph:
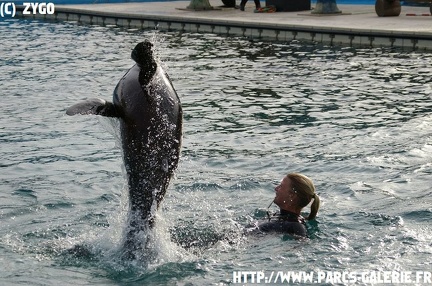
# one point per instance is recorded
(283, 222)
(282, 226)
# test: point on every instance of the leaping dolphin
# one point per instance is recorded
(150, 115)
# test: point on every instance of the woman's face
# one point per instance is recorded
(285, 195)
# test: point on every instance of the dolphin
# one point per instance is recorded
(150, 115)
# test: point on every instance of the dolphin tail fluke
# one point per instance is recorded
(93, 106)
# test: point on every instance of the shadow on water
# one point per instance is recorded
(125, 274)
(108, 266)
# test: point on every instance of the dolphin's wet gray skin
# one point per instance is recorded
(150, 115)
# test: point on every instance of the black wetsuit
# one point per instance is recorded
(284, 222)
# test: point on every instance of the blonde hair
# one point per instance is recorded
(306, 192)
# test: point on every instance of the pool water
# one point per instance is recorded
(357, 121)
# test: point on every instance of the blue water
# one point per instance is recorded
(357, 121)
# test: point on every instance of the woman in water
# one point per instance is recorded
(294, 192)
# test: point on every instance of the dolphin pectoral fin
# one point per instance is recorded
(94, 106)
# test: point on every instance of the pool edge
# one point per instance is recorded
(337, 36)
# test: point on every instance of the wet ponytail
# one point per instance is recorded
(306, 193)
(314, 207)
